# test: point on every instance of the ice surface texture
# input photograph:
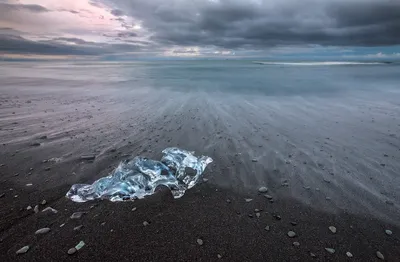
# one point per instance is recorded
(139, 177)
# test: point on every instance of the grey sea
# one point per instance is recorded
(326, 134)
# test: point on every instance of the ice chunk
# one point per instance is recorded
(139, 177)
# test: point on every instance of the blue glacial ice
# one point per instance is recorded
(140, 176)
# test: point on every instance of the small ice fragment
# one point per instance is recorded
(80, 245)
(139, 177)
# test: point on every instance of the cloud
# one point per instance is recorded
(263, 24)
(117, 12)
(198, 28)
(6, 7)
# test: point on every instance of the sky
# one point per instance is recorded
(190, 29)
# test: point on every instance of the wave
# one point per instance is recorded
(318, 63)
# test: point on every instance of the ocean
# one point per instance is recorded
(317, 132)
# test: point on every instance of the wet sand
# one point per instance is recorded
(326, 162)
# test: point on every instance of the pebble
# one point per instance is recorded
(258, 215)
(200, 241)
(29, 184)
(205, 179)
(254, 160)
(71, 251)
(36, 209)
(2, 195)
(88, 157)
(78, 228)
(268, 196)
(22, 250)
(267, 228)
(77, 215)
(219, 256)
(312, 254)
(42, 231)
(389, 202)
(28, 208)
(134, 209)
(248, 200)
(293, 223)
(348, 254)
(296, 244)
(228, 201)
(379, 255)
(291, 234)
(327, 198)
(50, 209)
(330, 250)
(388, 232)
(257, 210)
(62, 225)
(277, 217)
(263, 189)
(332, 229)
(145, 223)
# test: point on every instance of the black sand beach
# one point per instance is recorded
(325, 161)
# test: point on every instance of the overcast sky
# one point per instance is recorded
(129, 29)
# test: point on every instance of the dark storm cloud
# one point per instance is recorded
(12, 44)
(262, 23)
(13, 7)
(117, 12)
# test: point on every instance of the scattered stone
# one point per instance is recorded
(330, 250)
(22, 250)
(47, 169)
(28, 208)
(388, 232)
(71, 251)
(134, 209)
(307, 187)
(80, 245)
(50, 209)
(77, 215)
(35, 144)
(62, 225)
(200, 241)
(43, 202)
(42, 231)
(78, 228)
(312, 254)
(293, 223)
(332, 229)
(228, 201)
(145, 223)
(383, 164)
(251, 215)
(257, 210)
(296, 244)
(263, 189)
(389, 202)
(379, 255)
(88, 157)
(254, 160)
(103, 223)
(248, 200)
(267, 228)
(327, 198)
(2, 195)
(348, 254)
(268, 197)
(16, 196)
(219, 256)
(30, 184)
(291, 234)
(258, 215)
(36, 209)
(205, 179)
(277, 217)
